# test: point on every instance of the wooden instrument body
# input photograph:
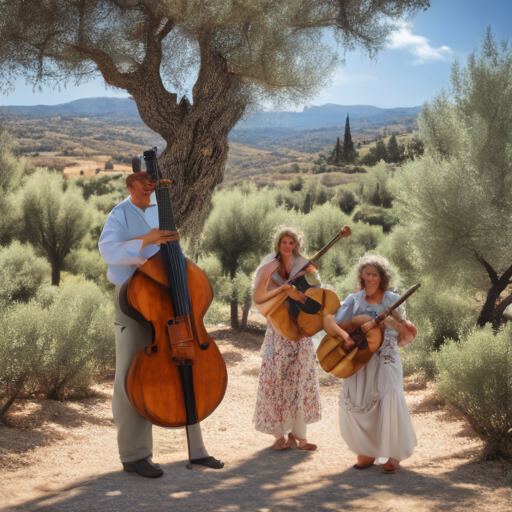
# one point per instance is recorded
(343, 364)
(153, 382)
(306, 325)
(276, 309)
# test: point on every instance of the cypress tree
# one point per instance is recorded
(337, 154)
(349, 152)
(393, 151)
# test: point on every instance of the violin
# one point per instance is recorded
(366, 334)
(299, 312)
(181, 377)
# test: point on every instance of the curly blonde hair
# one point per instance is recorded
(282, 231)
(381, 264)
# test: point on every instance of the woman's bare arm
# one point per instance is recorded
(406, 330)
(332, 328)
(260, 291)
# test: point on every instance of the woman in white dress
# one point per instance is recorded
(374, 419)
(288, 396)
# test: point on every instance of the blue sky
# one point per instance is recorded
(414, 66)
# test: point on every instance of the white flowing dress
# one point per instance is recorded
(373, 414)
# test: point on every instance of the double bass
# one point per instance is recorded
(181, 377)
(299, 312)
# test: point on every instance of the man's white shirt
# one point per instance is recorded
(117, 247)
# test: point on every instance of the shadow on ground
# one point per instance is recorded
(263, 482)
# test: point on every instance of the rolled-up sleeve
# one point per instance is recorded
(345, 311)
(116, 252)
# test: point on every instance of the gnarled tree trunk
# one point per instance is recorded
(196, 134)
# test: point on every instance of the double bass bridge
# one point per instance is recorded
(181, 338)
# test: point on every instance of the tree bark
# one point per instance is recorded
(11, 399)
(196, 134)
(234, 313)
(56, 267)
(245, 314)
(491, 313)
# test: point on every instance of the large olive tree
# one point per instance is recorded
(236, 53)
(456, 200)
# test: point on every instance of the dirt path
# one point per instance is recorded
(62, 456)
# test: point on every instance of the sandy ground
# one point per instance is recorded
(62, 456)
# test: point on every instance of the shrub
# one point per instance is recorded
(475, 377)
(346, 200)
(90, 265)
(109, 165)
(297, 184)
(76, 336)
(105, 203)
(212, 267)
(376, 216)
(218, 313)
(376, 189)
(21, 273)
(20, 350)
(439, 314)
(367, 236)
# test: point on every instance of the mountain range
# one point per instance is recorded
(311, 117)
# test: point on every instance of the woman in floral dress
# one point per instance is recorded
(374, 419)
(288, 392)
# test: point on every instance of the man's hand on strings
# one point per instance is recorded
(158, 237)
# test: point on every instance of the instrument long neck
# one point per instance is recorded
(165, 214)
(173, 256)
(322, 251)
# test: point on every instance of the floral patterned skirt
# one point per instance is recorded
(288, 384)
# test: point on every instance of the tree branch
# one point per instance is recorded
(500, 308)
(166, 30)
(105, 65)
(127, 5)
(492, 273)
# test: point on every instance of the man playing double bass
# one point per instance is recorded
(130, 237)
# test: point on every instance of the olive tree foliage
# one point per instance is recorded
(12, 172)
(238, 232)
(21, 273)
(236, 54)
(455, 201)
(54, 220)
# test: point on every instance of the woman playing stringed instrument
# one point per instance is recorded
(288, 391)
(374, 419)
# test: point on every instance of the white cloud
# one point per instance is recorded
(419, 46)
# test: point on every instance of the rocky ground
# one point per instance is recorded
(62, 456)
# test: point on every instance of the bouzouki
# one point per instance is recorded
(366, 334)
(297, 313)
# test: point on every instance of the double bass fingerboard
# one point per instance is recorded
(171, 251)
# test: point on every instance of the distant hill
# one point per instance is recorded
(309, 131)
(120, 108)
(311, 117)
(326, 115)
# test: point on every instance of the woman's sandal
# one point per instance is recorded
(280, 444)
(390, 467)
(302, 444)
(364, 462)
